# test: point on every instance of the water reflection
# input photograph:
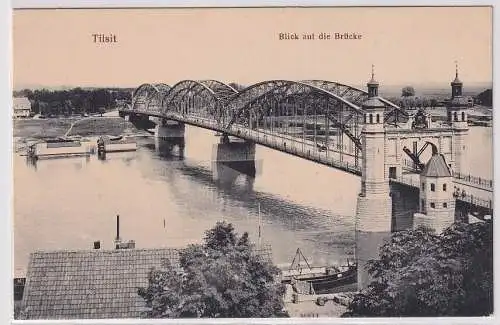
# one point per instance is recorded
(169, 192)
(168, 147)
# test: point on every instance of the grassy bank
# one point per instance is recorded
(57, 127)
(41, 128)
(95, 126)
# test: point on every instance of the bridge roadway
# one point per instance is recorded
(470, 191)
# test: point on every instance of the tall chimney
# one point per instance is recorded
(117, 227)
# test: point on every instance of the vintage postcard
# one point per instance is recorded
(267, 162)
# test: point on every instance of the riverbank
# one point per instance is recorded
(90, 126)
(42, 128)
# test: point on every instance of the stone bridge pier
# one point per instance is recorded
(169, 138)
(141, 121)
(168, 129)
(235, 153)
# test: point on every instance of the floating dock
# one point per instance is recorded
(60, 148)
(107, 144)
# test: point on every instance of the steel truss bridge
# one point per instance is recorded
(314, 119)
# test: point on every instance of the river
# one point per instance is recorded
(165, 201)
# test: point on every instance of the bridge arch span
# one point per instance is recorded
(221, 89)
(142, 95)
(191, 96)
(162, 88)
(323, 99)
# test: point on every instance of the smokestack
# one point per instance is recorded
(117, 227)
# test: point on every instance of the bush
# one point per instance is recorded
(221, 278)
(420, 273)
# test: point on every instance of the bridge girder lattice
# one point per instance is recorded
(315, 110)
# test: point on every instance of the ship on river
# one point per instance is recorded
(319, 280)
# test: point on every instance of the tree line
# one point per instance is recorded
(74, 101)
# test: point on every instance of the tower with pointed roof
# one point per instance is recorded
(437, 204)
(373, 211)
(457, 118)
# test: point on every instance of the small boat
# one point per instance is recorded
(320, 280)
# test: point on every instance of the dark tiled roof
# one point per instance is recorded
(374, 102)
(90, 284)
(436, 167)
(459, 101)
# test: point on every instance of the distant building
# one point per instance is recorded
(97, 284)
(21, 107)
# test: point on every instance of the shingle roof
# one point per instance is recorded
(459, 101)
(21, 101)
(436, 167)
(374, 102)
(90, 284)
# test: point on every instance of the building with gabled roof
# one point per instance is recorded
(21, 107)
(91, 284)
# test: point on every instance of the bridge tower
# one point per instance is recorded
(373, 211)
(437, 204)
(457, 117)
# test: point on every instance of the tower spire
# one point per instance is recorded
(456, 85)
(372, 85)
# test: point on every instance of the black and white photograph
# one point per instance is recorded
(252, 162)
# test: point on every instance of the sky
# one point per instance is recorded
(419, 45)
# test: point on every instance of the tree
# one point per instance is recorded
(433, 102)
(223, 277)
(408, 91)
(420, 273)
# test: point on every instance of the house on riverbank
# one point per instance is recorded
(21, 107)
(91, 284)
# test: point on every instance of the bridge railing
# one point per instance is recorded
(296, 146)
(488, 183)
(407, 180)
(474, 200)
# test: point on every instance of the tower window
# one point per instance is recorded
(392, 172)
(444, 187)
(463, 116)
(449, 116)
(371, 119)
(445, 205)
(455, 117)
(365, 118)
(433, 205)
(423, 186)
(433, 187)
(378, 118)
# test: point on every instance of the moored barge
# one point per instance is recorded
(106, 144)
(59, 148)
(321, 280)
